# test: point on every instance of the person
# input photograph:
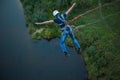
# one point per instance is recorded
(60, 19)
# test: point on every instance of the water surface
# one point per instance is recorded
(21, 58)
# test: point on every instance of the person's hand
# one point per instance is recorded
(74, 4)
(37, 23)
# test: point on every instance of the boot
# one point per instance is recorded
(67, 54)
(79, 51)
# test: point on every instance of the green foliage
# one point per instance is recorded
(100, 53)
(31, 28)
(50, 33)
(36, 36)
(100, 43)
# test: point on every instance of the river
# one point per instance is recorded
(21, 58)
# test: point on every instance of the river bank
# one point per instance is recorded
(22, 58)
(98, 37)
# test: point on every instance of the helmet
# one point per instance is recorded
(55, 12)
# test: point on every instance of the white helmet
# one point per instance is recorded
(55, 12)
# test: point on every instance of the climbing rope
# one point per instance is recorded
(101, 15)
(76, 28)
(100, 6)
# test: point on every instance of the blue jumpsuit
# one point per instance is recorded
(66, 30)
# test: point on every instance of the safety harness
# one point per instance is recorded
(63, 20)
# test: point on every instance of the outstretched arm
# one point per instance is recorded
(69, 10)
(45, 22)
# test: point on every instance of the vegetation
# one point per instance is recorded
(98, 32)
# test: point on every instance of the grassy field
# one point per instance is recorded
(97, 32)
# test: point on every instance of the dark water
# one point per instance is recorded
(23, 59)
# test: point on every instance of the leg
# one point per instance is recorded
(62, 42)
(74, 40)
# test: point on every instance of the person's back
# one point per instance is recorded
(60, 19)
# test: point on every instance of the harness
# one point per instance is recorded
(63, 20)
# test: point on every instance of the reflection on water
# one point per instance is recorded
(23, 59)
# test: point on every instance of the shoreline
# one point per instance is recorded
(95, 38)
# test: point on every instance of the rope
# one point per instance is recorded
(79, 16)
(101, 15)
(76, 28)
